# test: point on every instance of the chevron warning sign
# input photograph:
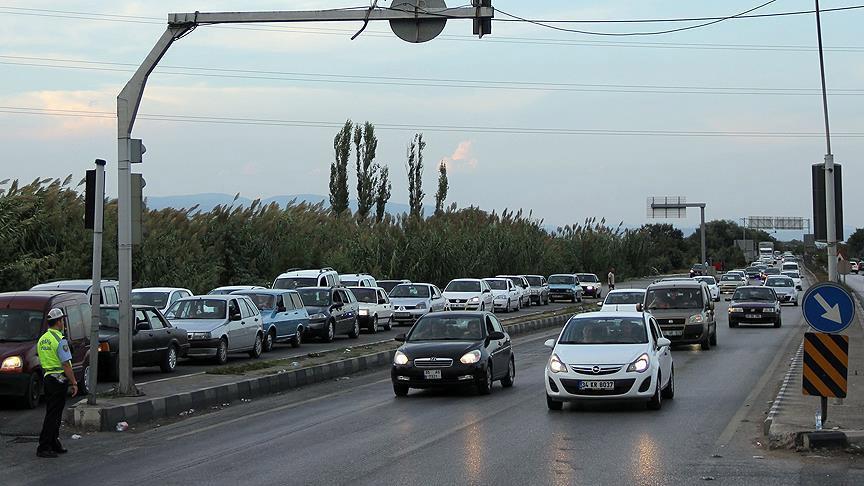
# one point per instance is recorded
(826, 358)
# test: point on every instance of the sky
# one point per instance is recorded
(748, 75)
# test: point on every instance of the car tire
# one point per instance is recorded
(733, 324)
(507, 309)
(484, 387)
(778, 323)
(257, 348)
(554, 404)
(169, 359)
(85, 379)
(222, 352)
(705, 344)
(507, 381)
(389, 325)
(330, 333)
(297, 341)
(355, 330)
(400, 390)
(269, 341)
(713, 339)
(656, 401)
(373, 329)
(33, 393)
(669, 391)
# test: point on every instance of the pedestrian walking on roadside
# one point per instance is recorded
(610, 278)
(56, 360)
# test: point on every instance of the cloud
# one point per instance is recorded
(462, 158)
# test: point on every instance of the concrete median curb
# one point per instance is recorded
(105, 417)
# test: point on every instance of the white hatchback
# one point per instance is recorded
(622, 300)
(610, 356)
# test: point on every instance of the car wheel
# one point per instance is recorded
(713, 339)
(656, 401)
(389, 325)
(507, 309)
(355, 331)
(669, 391)
(507, 381)
(331, 332)
(554, 404)
(31, 396)
(374, 328)
(269, 341)
(778, 322)
(484, 387)
(82, 388)
(400, 390)
(222, 352)
(257, 347)
(169, 360)
(733, 324)
(298, 338)
(705, 344)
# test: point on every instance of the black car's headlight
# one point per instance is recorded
(471, 357)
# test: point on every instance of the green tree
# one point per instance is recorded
(415, 176)
(855, 243)
(382, 193)
(365, 145)
(339, 170)
(443, 185)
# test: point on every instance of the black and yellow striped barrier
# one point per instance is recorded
(826, 359)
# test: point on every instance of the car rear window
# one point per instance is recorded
(157, 299)
(674, 298)
(625, 298)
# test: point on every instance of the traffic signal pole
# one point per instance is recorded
(830, 214)
(404, 12)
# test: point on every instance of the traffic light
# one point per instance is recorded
(820, 230)
(482, 26)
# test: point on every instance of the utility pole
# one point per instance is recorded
(411, 20)
(830, 215)
(95, 293)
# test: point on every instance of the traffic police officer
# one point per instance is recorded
(56, 361)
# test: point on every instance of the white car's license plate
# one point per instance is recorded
(597, 385)
(402, 315)
(673, 333)
(432, 374)
(754, 316)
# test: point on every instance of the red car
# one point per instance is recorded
(22, 323)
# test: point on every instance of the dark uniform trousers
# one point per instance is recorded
(55, 402)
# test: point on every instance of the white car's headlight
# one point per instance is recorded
(500, 297)
(695, 319)
(318, 316)
(590, 287)
(556, 365)
(12, 363)
(421, 305)
(400, 358)
(470, 357)
(641, 364)
(474, 300)
(198, 335)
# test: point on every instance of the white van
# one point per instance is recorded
(789, 267)
(296, 278)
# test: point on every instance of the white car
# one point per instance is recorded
(469, 294)
(622, 300)
(522, 286)
(713, 287)
(784, 287)
(610, 356)
(506, 296)
(159, 297)
(357, 280)
(375, 308)
(795, 276)
(296, 278)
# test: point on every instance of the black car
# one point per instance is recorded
(754, 305)
(155, 342)
(753, 273)
(332, 311)
(698, 270)
(445, 349)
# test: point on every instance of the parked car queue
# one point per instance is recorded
(170, 323)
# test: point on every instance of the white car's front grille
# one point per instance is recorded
(596, 369)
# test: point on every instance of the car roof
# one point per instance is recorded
(135, 306)
(625, 291)
(211, 297)
(677, 284)
(354, 287)
(261, 291)
(608, 314)
(30, 297)
(159, 289)
(415, 283)
(76, 285)
(457, 314)
(466, 279)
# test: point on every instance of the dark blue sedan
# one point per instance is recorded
(283, 313)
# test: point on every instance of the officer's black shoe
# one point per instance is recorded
(47, 454)
(58, 448)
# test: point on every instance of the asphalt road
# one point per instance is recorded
(355, 432)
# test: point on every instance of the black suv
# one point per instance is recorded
(332, 311)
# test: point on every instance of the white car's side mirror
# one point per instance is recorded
(550, 343)
(663, 342)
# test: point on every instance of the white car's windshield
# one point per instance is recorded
(598, 330)
(410, 291)
(156, 299)
(587, 277)
(779, 282)
(463, 286)
(197, 309)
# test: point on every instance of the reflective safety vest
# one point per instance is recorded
(47, 349)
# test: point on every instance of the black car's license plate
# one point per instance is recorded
(432, 374)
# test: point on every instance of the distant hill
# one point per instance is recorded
(208, 201)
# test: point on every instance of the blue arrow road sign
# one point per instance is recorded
(828, 307)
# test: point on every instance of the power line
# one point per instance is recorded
(623, 34)
(511, 85)
(73, 15)
(427, 128)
